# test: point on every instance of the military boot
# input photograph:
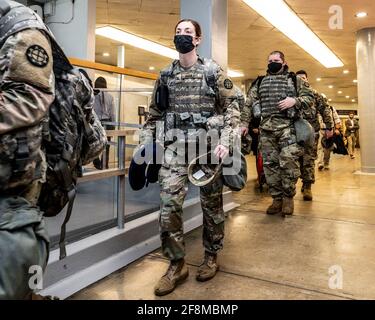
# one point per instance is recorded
(208, 269)
(177, 272)
(288, 207)
(275, 207)
(306, 190)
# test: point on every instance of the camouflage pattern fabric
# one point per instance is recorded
(173, 179)
(24, 243)
(280, 154)
(311, 114)
(319, 106)
(27, 90)
(190, 92)
(277, 135)
(307, 162)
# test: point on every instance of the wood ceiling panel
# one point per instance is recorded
(251, 38)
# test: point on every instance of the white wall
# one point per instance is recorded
(77, 37)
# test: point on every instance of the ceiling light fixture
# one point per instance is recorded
(346, 71)
(280, 15)
(135, 41)
(339, 92)
(138, 42)
(318, 79)
(330, 87)
(361, 14)
(105, 54)
(235, 74)
(151, 68)
(355, 81)
(347, 97)
(353, 100)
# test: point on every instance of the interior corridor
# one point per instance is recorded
(269, 257)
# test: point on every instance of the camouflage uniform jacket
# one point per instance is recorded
(26, 92)
(190, 92)
(310, 113)
(271, 90)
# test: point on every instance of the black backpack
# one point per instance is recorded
(74, 134)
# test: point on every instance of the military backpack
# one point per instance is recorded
(73, 135)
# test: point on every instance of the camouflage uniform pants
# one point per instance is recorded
(307, 162)
(173, 181)
(23, 244)
(280, 161)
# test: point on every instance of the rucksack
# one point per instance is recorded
(74, 134)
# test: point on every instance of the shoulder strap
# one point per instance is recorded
(210, 72)
(167, 72)
(257, 82)
(293, 76)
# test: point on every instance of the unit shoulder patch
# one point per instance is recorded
(228, 84)
(37, 56)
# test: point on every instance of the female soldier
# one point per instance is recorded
(197, 89)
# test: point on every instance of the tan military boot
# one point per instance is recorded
(307, 193)
(275, 207)
(177, 272)
(288, 206)
(208, 269)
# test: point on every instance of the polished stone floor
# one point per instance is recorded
(326, 250)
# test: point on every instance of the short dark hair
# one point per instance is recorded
(301, 72)
(282, 56)
(198, 29)
(101, 83)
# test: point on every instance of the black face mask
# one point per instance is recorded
(274, 67)
(183, 43)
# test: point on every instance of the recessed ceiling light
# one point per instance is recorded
(347, 97)
(282, 17)
(355, 81)
(105, 54)
(353, 100)
(135, 41)
(330, 87)
(318, 79)
(151, 68)
(346, 71)
(235, 74)
(329, 100)
(339, 92)
(361, 14)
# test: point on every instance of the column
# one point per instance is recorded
(73, 24)
(366, 97)
(212, 15)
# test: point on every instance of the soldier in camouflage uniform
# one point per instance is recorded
(198, 90)
(278, 99)
(27, 90)
(310, 113)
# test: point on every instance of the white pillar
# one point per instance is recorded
(73, 25)
(212, 15)
(366, 97)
